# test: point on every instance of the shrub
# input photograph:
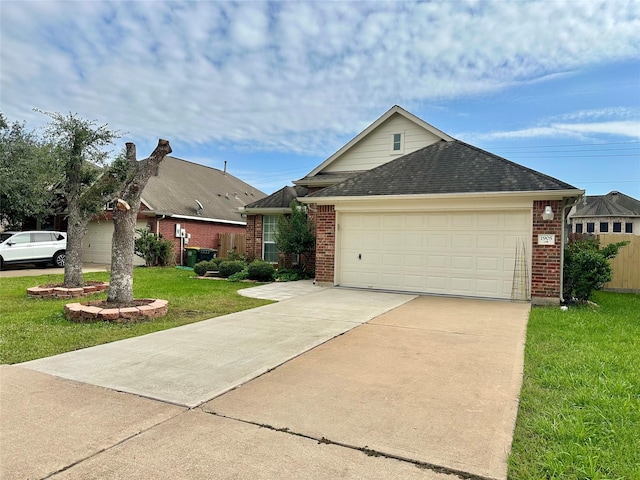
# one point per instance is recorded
(229, 267)
(292, 275)
(261, 271)
(233, 255)
(241, 275)
(201, 268)
(587, 267)
(154, 249)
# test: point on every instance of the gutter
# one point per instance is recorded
(201, 219)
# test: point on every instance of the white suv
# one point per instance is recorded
(36, 247)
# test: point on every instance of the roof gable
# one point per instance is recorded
(370, 148)
(278, 200)
(179, 183)
(443, 168)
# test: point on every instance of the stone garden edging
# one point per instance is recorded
(90, 312)
(63, 292)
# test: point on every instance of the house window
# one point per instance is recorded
(591, 227)
(628, 227)
(397, 143)
(269, 247)
(617, 227)
(578, 228)
(604, 227)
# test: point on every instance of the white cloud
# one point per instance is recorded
(267, 74)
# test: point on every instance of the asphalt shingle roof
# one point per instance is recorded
(613, 204)
(179, 183)
(445, 167)
(280, 199)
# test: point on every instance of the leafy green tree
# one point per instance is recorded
(295, 234)
(587, 267)
(29, 176)
(87, 182)
(155, 250)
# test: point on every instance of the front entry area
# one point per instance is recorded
(467, 253)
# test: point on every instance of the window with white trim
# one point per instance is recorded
(269, 247)
(397, 143)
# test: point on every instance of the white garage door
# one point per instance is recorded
(96, 246)
(462, 253)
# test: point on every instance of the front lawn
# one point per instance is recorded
(32, 329)
(579, 415)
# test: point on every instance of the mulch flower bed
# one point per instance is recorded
(103, 311)
(57, 290)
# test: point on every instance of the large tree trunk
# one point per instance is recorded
(124, 221)
(77, 227)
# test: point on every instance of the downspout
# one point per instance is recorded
(158, 224)
(562, 242)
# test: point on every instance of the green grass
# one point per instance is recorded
(579, 415)
(32, 329)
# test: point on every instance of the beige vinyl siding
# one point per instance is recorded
(375, 149)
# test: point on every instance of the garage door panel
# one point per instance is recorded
(391, 259)
(488, 287)
(435, 240)
(489, 241)
(488, 264)
(463, 220)
(460, 253)
(465, 241)
(437, 261)
(414, 283)
(391, 240)
(462, 263)
(462, 285)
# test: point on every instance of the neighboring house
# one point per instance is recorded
(607, 214)
(204, 201)
(406, 207)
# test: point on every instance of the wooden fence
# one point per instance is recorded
(626, 266)
(231, 242)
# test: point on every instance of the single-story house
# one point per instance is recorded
(406, 207)
(182, 198)
(613, 213)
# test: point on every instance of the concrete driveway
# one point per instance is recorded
(390, 386)
(28, 270)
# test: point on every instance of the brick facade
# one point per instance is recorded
(203, 234)
(325, 220)
(545, 263)
(545, 269)
(254, 236)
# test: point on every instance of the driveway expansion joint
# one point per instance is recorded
(366, 450)
(110, 447)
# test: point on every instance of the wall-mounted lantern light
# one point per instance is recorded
(548, 213)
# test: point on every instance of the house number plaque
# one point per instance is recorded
(547, 239)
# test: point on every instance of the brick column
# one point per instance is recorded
(254, 236)
(545, 268)
(325, 219)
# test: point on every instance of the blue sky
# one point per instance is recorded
(274, 88)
